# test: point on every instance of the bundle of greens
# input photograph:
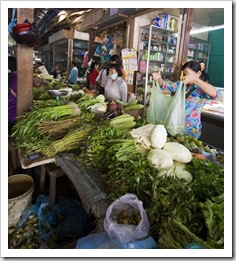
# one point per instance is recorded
(26, 131)
(174, 206)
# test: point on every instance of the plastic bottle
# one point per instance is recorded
(172, 24)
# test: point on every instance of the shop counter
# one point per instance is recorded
(213, 122)
(213, 129)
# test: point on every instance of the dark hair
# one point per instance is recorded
(93, 64)
(204, 76)
(74, 63)
(193, 65)
(11, 63)
(12, 67)
(115, 58)
(39, 63)
(96, 58)
(116, 66)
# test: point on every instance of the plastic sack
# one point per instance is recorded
(167, 110)
(74, 217)
(142, 65)
(103, 241)
(126, 233)
(174, 117)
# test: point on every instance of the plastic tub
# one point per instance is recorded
(20, 190)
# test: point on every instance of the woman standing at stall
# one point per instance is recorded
(116, 87)
(204, 75)
(198, 92)
(94, 71)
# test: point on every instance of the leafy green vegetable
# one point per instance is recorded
(214, 219)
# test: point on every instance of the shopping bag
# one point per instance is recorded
(159, 104)
(167, 110)
(175, 116)
(124, 232)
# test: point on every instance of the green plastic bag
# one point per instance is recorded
(167, 110)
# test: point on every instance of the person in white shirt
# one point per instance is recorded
(102, 79)
(42, 68)
(116, 87)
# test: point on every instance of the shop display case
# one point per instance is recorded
(157, 48)
(198, 50)
(61, 52)
(213, 122)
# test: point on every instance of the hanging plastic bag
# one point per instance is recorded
(175, 115)
(167, 110)
(142, 65)
(159, 104)
(125, 232)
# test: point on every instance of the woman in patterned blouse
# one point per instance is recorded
(198, 92)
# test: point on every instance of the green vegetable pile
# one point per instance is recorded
(180, 212)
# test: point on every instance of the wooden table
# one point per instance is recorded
(26, 163)
(45, 165)
(88, 183)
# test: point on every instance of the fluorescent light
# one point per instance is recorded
(206, 29)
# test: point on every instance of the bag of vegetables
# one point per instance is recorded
(126, 219)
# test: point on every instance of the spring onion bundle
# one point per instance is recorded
(26, 132)
(70, 141)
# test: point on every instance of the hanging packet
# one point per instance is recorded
(167, 110)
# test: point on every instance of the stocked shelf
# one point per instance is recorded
(198, 50)
(156, 51)
(61, 52)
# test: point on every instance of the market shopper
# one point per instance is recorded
(116, 87)
(116, 59)
(198, 92)
(204, 75)
(73, 74)
(94, 71)
(42, 68)
(57, 73)
(12, 91)
(102, 79)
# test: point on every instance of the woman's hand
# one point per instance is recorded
(191, 77)
(156, 76)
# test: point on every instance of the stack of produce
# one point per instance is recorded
(182, 194)
(44, 130)
(179, 200)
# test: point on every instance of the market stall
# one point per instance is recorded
(112, 155)
(108, 150)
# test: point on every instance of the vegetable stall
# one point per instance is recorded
(179, 179)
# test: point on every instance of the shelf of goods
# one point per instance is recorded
(61, 52)
(198, 50)
(156, 52)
